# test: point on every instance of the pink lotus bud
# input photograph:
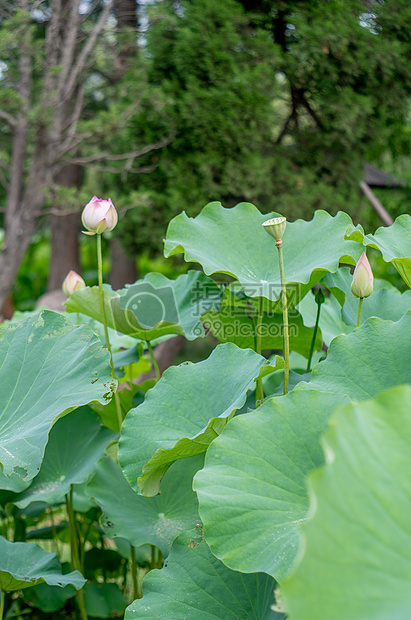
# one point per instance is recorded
(363, 279)
(72, 282)
(99, 215)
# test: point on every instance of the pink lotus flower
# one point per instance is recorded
(72, 282)
(99, 215)
(363, 278)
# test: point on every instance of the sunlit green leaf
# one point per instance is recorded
(357, 559)
(47, 368)
(252, 489)
(372, 358)
(233, 241)
(184, 412)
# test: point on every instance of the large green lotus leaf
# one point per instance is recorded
(233, 241)
(163, 306)
(184, 412)
(394, 243)
(357, 557)
(331, 323)
(236, 322)
(372, 358)
(154, 520)
(194, 584)
(48, 368)
(76, 443)
(252, 489)
(24, 564)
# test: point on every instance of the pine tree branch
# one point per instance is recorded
(131, 155)
(311, 112)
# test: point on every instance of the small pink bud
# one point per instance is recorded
(363, 279)
(72, 282)
(99, 215)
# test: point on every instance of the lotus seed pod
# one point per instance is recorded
(72, 282)
(276, 227)
(363, 278)
(99, 215)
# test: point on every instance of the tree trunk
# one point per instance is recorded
(65, 230)
(54, 133)
(21, 220)
(123, 269)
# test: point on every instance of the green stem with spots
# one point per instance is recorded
(153, 360)
(54, 533)
(103, 316)
(75, 559)
(359, 311)
(319, 298)
(279, 245)
(134, 572)
(259, 393)
(2, 597)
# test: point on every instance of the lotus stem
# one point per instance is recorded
(153, 361)
(54, 533)
(103, 315)
(319, 298)
(75, 559)
(134, 572)
(2, 597)
(359, 311)
(279, 245)
(258, 338)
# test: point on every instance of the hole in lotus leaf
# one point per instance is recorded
(112, 386)
(21, 472)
